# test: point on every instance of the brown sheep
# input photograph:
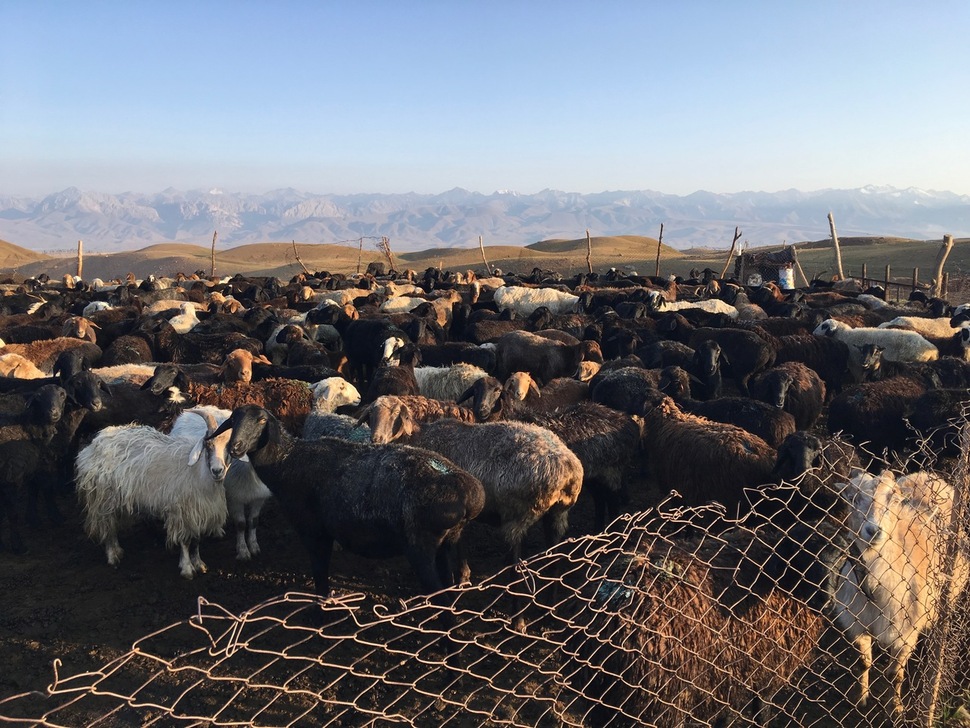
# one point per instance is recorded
(679, 632)
(702, 459)
(44, 353)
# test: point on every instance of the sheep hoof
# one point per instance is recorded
(243, 555)
(518, 624)
(200, 567)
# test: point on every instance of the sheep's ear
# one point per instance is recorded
(469, 393)
(262, 359)
(533, 387)
(196, 452)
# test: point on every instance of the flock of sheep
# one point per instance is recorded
(386, 412)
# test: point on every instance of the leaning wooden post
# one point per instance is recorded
(481, 247)
(798, 266)
(360, 253)
(660, 241)
(297, 256)
(941, 257)
(80, 258)
(734, 243)
(212, 260)
(589, 251)
(886, 291)
(835, 246)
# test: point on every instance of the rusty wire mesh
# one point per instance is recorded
(672, 617)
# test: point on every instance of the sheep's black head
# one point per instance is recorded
(166, 377)
(797, 454)
(253, 428)
(46, 405)
(486, 396)
(87, 390)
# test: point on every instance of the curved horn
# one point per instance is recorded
(210, 420)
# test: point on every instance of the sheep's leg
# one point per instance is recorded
(197, 563)
(252, 520)
(320, 552)
(897, 675)
(113, 549)
(445, 564)
(555, 523)
(242, 548)
(424, 561)
(864, 645)
(185, 561)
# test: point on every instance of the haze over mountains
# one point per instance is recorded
(110, 223)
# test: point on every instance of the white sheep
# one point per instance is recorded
(185, 321)
(134, 470)
(711, 305)
(94, 307)
(524, 301)
(890, 588)
(246, 494)
(899, 345)
(447, 383)
(938, 327)
(328, 395)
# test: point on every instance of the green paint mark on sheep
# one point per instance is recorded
(439, 466)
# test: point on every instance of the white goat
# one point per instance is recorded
(890, 587)
(246, 494)
(136, 470)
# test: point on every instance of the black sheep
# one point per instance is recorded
(375, 501)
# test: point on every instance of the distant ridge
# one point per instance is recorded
(456, 218)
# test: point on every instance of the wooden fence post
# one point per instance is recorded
(589, 251)
(212, 258)
(80, 258)
(659, 244)
(481, 246)
(941, 257)
(734, 243)
(836, 248)
(886, 283)
(360, 253)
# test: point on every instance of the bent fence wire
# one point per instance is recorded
(673, 617)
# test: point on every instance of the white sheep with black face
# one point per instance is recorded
(134, 470)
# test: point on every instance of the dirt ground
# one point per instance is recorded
(62, 601)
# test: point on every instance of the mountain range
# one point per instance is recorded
(456, 218)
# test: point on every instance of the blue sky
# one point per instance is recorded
(344, 97)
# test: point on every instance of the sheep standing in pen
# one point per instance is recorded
(374, 501)
(684, 632)
(704, 460)
(892, 586)
(328, 395)
(246, 494)
(607, 442)
(900, 345)
(794, 388)
(529, 474)
(134, 470)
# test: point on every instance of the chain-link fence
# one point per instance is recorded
(672, 617)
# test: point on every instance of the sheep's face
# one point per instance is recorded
(390, 349)
(389, 420)
(827, 328)
(333, 392)
(874, 506)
